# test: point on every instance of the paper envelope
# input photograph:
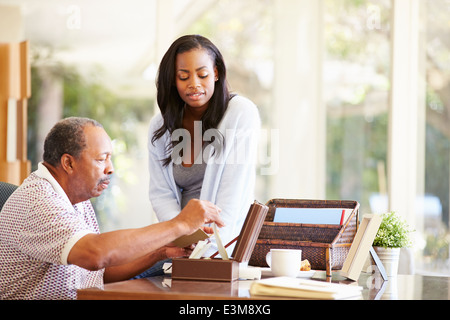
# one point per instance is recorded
(187, 240)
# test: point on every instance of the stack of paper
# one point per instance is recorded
(304, 288)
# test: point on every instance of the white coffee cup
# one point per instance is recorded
(284, 262)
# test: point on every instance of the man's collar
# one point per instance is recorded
(43, 173)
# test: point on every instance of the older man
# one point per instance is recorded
(50, 244)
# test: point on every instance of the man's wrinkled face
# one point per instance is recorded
(92, 171)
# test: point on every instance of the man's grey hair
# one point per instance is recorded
(66, 136)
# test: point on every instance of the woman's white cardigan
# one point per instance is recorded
(230, 174)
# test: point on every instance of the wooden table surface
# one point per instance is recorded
(404, 287)
(164, 288)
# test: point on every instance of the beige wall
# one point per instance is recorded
(11, 24)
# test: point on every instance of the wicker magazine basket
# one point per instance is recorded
(324, 245)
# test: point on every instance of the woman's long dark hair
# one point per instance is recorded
(170, 102)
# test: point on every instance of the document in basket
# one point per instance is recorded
(335, 216)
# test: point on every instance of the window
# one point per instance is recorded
(322, 71)
(356, 88)
(437, 155)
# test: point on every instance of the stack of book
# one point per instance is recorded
(305, 289)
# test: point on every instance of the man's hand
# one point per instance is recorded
(197, 213)
(171, 251)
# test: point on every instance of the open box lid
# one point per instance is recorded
(250, 232)
(224, 269)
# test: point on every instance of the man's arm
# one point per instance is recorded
(131, 269)
(115, 248)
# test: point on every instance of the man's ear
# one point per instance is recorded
(67, 162)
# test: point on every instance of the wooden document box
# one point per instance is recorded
(219, 269)
(324, 245)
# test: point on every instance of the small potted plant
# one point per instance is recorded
(393, 234)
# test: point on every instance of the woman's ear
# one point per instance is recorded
(67, 162)
(216, 74)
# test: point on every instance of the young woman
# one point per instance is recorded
(203, 142)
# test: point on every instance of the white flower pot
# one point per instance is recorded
(389, 257)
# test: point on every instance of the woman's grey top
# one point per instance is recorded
(189, 180)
